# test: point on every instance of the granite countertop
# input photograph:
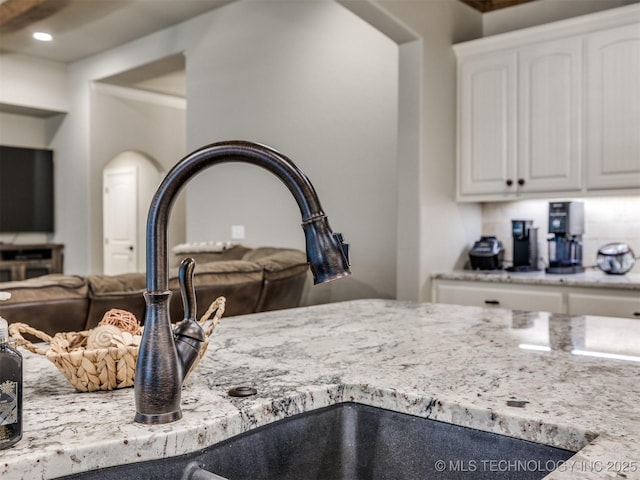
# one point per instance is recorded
(590, 278)
(527, 375)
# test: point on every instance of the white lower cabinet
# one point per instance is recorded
(610, 304)
(504, 296)
(543, 298)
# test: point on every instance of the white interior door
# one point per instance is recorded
(120, 220)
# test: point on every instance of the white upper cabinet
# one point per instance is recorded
(613, 96)
(549, 116)
(519, 120)
(551, 109)
(487, 124)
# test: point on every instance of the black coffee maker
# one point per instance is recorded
(525, 246)
(566, 223)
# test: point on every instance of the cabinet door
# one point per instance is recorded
(611, 305)
(500, 297)
(549, 117)
(487, 124)
(613, 125)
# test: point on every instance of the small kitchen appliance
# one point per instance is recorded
(566, 224)
(615, 258)
(525, 246)
(487, 254)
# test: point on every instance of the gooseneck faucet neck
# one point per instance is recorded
(236, 151)
(159, 372)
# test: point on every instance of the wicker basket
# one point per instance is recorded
(101, 368)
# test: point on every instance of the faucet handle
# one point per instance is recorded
(187, 290)
(188, 334)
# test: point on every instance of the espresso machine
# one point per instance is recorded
(566, 224)
(525, 246)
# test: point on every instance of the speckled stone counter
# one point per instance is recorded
(527, 375)
(590, 278)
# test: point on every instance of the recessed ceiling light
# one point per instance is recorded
(42, 36)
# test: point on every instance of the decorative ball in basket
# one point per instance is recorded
(104, 358)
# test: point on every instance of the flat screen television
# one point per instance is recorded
(26, 190)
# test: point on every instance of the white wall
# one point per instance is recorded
(319, 84)
(33, 83)
(23, 131)
(445, 228)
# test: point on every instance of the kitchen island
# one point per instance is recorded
(569, 382)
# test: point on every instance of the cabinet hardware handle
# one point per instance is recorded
(521, 181)
(509, 182)
(492, 302)
(636, 314)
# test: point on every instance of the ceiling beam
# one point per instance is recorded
(14, 9)
(491, 5)
(10, 9)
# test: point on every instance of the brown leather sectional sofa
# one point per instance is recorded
(252, 280)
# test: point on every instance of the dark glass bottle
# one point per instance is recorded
(10, 389)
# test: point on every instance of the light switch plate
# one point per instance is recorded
(237, 232)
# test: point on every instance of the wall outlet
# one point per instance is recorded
(237, 232)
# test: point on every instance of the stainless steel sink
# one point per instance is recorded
(350, 441)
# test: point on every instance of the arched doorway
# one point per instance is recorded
(129, 181)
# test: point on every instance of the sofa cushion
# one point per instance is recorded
(51, 303)
(278, 263)
(237, 280)
(285, 275)
(123, 291)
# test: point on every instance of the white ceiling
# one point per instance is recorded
(82, 28)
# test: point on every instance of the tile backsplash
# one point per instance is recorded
(607, 219)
